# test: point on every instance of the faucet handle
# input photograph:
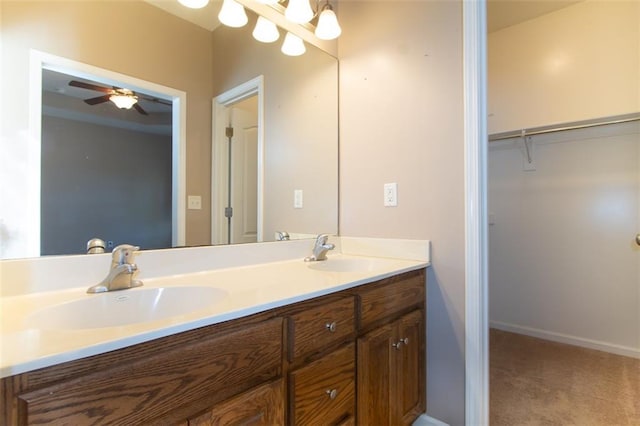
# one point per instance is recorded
(322, 239)
(124, 254)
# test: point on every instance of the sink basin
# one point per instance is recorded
(341, 264)
(125, 307)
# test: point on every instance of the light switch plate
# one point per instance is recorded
(390, 194)
(297, 199)
(194, 202)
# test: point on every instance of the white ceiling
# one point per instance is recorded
(504, 13)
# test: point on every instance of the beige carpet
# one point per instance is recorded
(538, 382)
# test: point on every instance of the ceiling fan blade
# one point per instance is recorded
(140, 109)
(98, 100)
(89, 86)
(156, 100)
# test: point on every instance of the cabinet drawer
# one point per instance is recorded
(263, 405)
(387, 299)
(314, 329)
(323, 392)
(215, 368)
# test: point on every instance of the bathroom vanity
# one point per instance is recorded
(352, 353)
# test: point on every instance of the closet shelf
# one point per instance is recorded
(565, 126)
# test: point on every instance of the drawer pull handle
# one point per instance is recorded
(331, 326)
(405, 341)
(332, 393)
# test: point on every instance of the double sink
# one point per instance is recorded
(148, 304)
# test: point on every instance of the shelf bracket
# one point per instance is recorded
(528, 164)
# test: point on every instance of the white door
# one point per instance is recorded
(244, 171)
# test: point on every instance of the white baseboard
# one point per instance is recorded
(568, 339)
(425, 420)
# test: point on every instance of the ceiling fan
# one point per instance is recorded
(122, 98)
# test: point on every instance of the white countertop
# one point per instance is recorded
(250, 289)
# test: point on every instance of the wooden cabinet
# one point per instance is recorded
(314, 328)
(326, 361)
(391, 352)
(391, 372)
(263, 405)
(212, 367)
(323, 392)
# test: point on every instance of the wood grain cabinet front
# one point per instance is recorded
(323, 392)
(262, 406)
(313, 329)
(149, 390)
(391, 372)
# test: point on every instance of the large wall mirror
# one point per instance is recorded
(282, 168)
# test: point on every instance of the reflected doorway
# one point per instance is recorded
(237, 158)
(242, 195)
(105, 170)
(28, 243)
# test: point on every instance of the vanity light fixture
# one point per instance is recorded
(299, 11)
(232, 14)
(328, 27)
(293, 45)
(124, 101)
(194, 4)
(265, 30)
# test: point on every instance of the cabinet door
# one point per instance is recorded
(376, 377)
(411, 368)
(263, 405)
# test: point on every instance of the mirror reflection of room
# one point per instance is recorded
(188, 54)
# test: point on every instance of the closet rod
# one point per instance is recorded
(566, 126)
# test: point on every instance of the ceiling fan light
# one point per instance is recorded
(299, 11)
(328, 27)
(123, 101)
(194, 4)
(232, 14)
(265, 31)
(293, 45)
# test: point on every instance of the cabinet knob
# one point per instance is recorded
(332, 393)
(331, 326)
(399, 343)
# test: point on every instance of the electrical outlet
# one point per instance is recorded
(297, 199)
(194, 202)
(390, 194)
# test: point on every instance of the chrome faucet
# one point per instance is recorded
(320, 249)
(122, 272)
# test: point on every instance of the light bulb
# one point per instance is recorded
(232, 14)
(265, 30)
(328, 27)
(269, 1)
(194, 4)
(299, 11)
(293, 45)
(123, 101)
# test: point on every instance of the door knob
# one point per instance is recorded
(638, 239)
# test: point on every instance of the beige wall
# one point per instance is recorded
(577, 63)
(131, 38)
(301, 126)
(401, 118)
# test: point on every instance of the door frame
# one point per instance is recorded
(219, 153)
(474, 36)
(41, 60)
